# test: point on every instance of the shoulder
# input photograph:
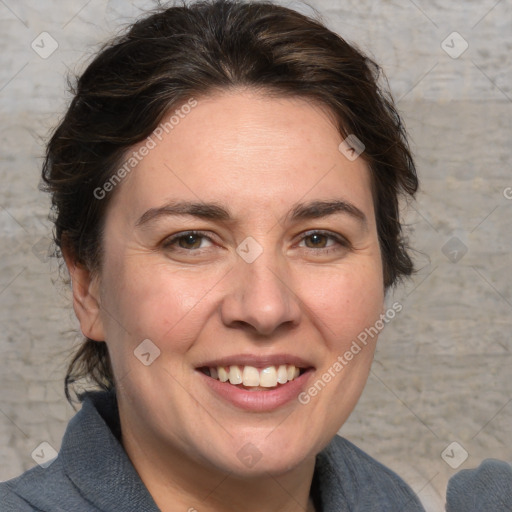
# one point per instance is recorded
(358, 478)
(10, 501)
(488, 487)
(38, 489)
(91, 473)
(50, 487)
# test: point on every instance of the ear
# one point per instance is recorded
(86, 300)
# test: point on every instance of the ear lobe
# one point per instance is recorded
(86, 300)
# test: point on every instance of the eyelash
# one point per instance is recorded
(342, 242)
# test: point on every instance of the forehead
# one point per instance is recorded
(255, 153)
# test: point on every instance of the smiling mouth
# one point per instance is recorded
(252, 378)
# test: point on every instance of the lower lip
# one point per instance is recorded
(258, 401)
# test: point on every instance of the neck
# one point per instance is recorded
(177, 482)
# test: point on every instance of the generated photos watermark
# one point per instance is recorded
(343, 360)
(351, 147)
(135, 157)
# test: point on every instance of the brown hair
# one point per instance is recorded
(183, 51)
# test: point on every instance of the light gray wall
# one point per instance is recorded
(443, 367)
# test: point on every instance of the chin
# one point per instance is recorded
(249, 461)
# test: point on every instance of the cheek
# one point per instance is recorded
(343, 304)
(151, 302)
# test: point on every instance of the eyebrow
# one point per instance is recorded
(212, 211)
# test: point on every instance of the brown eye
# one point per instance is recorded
(318, 240)
(324, 242)
(188, 241)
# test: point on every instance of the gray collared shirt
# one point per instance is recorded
(93, 473)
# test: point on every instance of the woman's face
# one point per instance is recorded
(286, 270)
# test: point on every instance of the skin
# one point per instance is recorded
(258, 157)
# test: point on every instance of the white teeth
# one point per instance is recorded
(282, 374)
(250, 376)
(268, 377)
(235, 374)
(223, 374)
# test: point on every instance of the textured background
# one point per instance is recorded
(443, 367)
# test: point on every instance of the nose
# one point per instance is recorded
(261, 297)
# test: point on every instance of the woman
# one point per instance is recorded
(225, 185)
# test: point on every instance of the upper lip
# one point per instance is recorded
(258, 361)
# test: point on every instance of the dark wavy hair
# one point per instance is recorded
(193, 50)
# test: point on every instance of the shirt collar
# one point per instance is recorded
(95, 461)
